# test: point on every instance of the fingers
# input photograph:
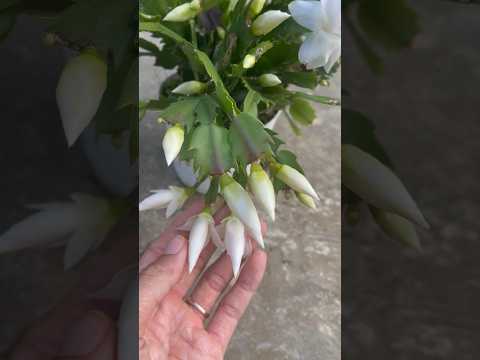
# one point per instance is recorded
(213, 282)
(158, 278)
(233, 306)
(156, 248)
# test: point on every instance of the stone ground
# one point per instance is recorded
(296, 312)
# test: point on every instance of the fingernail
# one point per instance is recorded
(86, 335)
(175, 245)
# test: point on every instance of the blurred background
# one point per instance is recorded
(296, 312)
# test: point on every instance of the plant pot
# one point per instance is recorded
(110, 162)
(186, 174)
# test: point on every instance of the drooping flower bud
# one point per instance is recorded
(262, 189)
(397, 227)
(198, 238)
(377, 184)
(172, 199)
(184, 12)
(242, 207)
(80, 91)
(269, 80)
(295, 179)
(306, 200)
(255, 8)
(172, 142)
(268, 21)
(190, 88)
(249, 61)
(235, 242)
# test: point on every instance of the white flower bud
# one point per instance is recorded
(397, 227)
(235, 242)
(306, 200)
(295, 179)
(377, 184)
(80, 91)
(249, 61)
(256, 7)
(262, 189)
(198, 238)
(172, 142)
(242, 206)
(269, 80)
(190, 88)
(184, 12)
(171, 199)
(268, 21)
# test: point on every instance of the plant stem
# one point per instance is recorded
(194, 43)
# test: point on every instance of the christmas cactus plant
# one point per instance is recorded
(237, 64)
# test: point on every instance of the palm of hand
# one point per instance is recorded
(177, 332)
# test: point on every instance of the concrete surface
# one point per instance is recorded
(296, 312)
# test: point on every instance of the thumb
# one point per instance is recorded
(158, 278)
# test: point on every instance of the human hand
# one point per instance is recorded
(169, 327)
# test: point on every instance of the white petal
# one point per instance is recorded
(242, 207)
(377, 184)
(309, 14)
(79, 93)
(81, 241)
(197, 239)
(235, 243)
(159, 200)
(317, 49)
(332, 19)
(43, 228)
(177, 202)
(333, 58)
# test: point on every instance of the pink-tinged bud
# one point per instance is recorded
(172, 142)
(262, 189)
(296, 180)
(268, 21)
(242, 207)
(377, 184)
(235, 242)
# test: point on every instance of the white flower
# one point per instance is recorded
(269, 80)
(83, 223)
(242, 207)
(184, 12)
(322, 46)
(235, 242)
(203, 229)
(79, 92)
(190, 88)
(262, 189)
(172, 199)
(172, 142)
(268, 21)
(377, 184)
(295, 179)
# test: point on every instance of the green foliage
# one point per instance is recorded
(301, 111)
(191, 111)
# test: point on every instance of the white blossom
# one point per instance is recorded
(172, 142)
(83, 223)
(235, 242)
(242, 207)
(377, 184)
(295, 179)
(79, 92)
(202, 229)
(322, 46)
(172, 199)
(262, 189)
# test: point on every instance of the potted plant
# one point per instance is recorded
(237, 64)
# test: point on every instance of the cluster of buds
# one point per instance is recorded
(244, 216)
